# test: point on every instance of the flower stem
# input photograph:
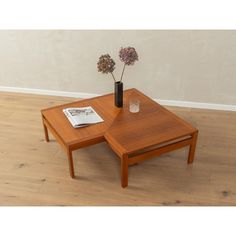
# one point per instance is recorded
(122, 73)
(113, 77)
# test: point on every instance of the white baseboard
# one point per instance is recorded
(47, 92)
(201, 105)
(177, 103)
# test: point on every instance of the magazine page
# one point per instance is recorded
(82, 116)
(72, 121)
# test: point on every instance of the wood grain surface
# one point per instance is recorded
(152, 125)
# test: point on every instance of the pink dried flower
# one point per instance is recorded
(128, 55)
(106, 64)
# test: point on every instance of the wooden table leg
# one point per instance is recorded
(45, 131)
(192, 148)
(124, 171)
(70, 162)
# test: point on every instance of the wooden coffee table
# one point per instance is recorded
(134, 137)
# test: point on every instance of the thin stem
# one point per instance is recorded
(122, 73)
(113, 77)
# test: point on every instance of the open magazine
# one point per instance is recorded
(83, 116)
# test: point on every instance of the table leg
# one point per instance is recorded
(45, 131)
(70, 162)
(192, 148)
(124, 171)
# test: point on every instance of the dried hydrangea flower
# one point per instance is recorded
(128, 55)
(106, 64)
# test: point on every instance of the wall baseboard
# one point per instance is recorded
(47, 92)
(177, 103)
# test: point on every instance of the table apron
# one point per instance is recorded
(73, 145)
(156, 152)
(85, 143)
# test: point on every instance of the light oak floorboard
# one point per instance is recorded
(33, 172)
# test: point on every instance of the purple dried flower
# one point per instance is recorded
(106, 64)
(128, 55)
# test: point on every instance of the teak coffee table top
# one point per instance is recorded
(127, 133)
(151, 126)
(103, 105)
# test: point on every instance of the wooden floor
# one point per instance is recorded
(33, 172)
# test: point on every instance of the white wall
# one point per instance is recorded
(197, 66)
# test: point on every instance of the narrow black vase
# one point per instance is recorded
(119, 94)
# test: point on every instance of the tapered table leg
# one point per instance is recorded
(124, 171)
(45, 131)
(192, 148)
(70, 162)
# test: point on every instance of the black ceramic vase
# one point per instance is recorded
(119, 94)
